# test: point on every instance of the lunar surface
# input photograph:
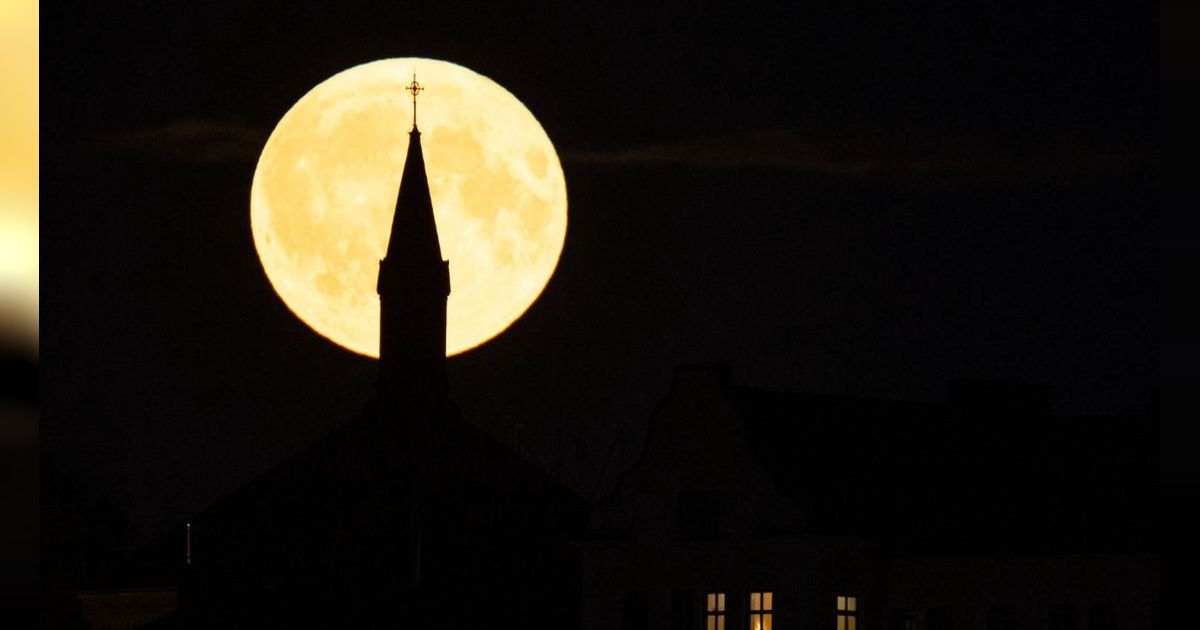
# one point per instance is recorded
(325, 188)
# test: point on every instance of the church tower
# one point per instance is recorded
(413, 284)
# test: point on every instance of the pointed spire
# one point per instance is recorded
(413, 284)
(414, 232)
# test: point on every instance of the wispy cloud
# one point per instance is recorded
(867, 156)
(189, 140)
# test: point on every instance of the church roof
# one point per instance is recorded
(414, 233)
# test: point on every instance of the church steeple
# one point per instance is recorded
(414, 282)
(414, 231)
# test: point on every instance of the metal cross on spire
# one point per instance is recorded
(414, 88)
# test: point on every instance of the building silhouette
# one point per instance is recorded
(413, 285)
(747, 509)
(406, 516)
(751, 509)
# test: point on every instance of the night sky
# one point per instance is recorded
(831, 197)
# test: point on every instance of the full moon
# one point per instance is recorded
(325, 188)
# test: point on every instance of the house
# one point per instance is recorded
(751, 509)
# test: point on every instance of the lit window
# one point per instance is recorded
(714, 611)
(761, 608)
(847, 613)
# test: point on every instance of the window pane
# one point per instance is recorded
(755, 601)
(712, 602)
(766, 622)
(755, 622)
(721, 623)
(710, 623)
(852, 603)
(720, 601)
(841, 622)
(841, 603)
(767, 597)
(851, 622)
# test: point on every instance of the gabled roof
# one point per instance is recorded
(992, 472)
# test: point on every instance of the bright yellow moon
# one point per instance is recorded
(325, 188)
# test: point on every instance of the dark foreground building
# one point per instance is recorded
(407, 516)
(747, 510)
(752, 509)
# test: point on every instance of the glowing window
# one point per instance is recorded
(847, 612)
(762, 607)
(714, 611)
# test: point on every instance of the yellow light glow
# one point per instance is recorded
(325, 187)
(19, 222)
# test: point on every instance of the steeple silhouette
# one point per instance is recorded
(413, 284)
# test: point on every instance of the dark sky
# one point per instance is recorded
(832, 197)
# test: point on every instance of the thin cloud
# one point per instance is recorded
(189, 140)
(791, 150)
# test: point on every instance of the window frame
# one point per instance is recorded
(765, 611)
(717, 612)
(847, 612)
